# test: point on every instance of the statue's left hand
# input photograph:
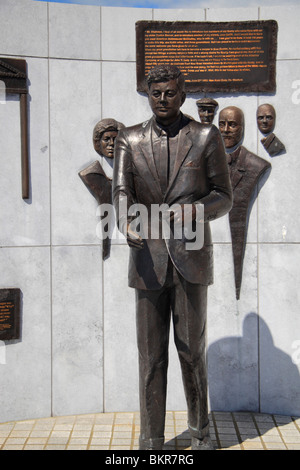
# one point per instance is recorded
(133, 239)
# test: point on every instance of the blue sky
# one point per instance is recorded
(179, 3)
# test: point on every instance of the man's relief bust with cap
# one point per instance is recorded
(206, 109)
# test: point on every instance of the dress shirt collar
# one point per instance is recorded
(232, 157)
(171, 130)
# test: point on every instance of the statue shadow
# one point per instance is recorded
(233, 370)
(246, 430)
(250, 373)
(251, 381)
(180, 442)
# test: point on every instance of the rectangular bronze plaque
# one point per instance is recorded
(214, 57)
(10, 313)
(14, 73)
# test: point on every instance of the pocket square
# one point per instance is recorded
(191, 164)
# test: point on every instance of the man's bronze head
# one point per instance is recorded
(104, 134)
(166, 73)
(231, 125)
(266, 117)
(206, 109)
(166, 92)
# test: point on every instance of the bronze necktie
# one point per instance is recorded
(163, 161)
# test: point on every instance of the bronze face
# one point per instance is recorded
(266, 117)
(104, 134)
(107, 142)
(104, 142)
(165, 99)
(206, 114)
(231, 125)
(206, 109)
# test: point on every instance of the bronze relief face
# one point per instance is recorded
(106, 143)
(206, 114)
(266, 117)
(231, 125)
(104, 134)
(206, 110)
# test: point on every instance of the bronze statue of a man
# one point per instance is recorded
(98, 176)
(246, 169)
(171, 159)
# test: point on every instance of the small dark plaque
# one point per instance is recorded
(214, 57)
(10, 313)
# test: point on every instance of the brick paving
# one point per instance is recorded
(120, 431)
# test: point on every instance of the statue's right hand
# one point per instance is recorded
(133, 239)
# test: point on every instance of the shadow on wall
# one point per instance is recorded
(250, 373)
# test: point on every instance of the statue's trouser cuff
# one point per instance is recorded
(200, 433)
(152, 443)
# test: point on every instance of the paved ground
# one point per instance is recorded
(120, 431)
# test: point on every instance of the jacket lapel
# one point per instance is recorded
(147, 152)
(184, 145)
(239, 169)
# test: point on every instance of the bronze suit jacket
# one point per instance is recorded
(100, 186)
(97, 182)
(245, 173)
(200, 176)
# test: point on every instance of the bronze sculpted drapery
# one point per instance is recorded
(171, 159)
(98, 176)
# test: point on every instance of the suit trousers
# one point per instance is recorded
(187, 304)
